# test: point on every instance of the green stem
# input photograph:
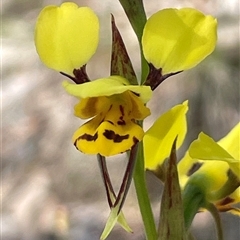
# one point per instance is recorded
(193, 200)
(213, 210)
(142, 195)
(135, 12)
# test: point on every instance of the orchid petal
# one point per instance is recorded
(107, 87)
(66, 37)
(178, 39)
(158, 139)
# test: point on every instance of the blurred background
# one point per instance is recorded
(52, 191)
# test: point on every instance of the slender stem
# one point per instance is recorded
(142, 195)
(135, 12)
(213, 210)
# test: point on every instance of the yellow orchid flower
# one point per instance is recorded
(114, 106)
(159, 138)
(178, 39)
(66, 37)
(214, 168)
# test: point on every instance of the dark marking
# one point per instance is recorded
(194, 168)
(121, 121)
(88, 137)
(121, 110)
(75, 144)
(155, 76)
(69, 76)
(136, 94)
(111, 135)
(109, 122)
(226, 201)
(135, 140)
(80, 75)
(110, 108)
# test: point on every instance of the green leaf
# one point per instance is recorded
(113, 218)
(120, 62)
(135, 12)
(171, 224)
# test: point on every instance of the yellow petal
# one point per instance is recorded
(178, 39)
(90, 107)
(66, 37)
(105, 138)
(107, 87)
(205, 148)
(186, 167)
(134, 108)
(231, 142)
(210, 177)
(138, 110)
(108, 134)
(226, 203)
(159, 138)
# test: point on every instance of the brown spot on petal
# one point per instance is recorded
(121, 121)
(89, 137)
(136, 94)
(121, 110)
(109, 122)
(226, 201)
(111, 135)
(194, 168)
(75, 144)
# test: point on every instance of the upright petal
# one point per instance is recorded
(205, 148)
(66, 37)
(231, 142)
(159, 138)
(178, 39)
